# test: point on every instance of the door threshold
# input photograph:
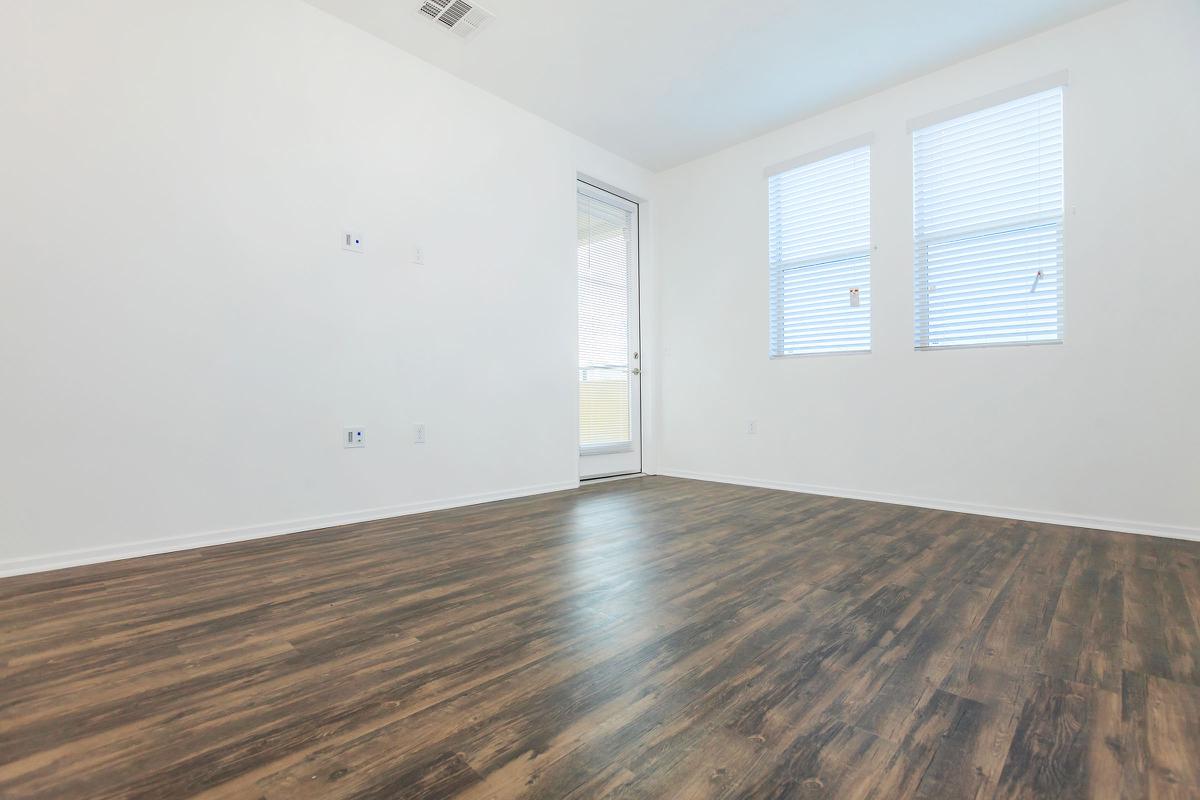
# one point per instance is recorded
(618, 476)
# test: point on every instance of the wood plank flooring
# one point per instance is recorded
(645, 638)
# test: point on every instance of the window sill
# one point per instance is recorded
(986, 346)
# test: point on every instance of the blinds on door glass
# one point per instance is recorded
(820, 256)
(988, 225)
(606, 248)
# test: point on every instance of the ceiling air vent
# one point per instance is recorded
(457, 16)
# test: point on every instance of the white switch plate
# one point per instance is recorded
(418, 255)
(354, 437)
(419, 433)
(352, 242)
(752, 427)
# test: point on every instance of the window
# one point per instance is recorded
(988, 225)
(820, 255)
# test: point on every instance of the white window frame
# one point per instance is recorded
(1055, 222)
(777, 268)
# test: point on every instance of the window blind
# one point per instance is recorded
(820, 256)
(988, 225)
(606, 246)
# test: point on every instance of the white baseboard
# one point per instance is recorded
(1048, 517)
(95, 555)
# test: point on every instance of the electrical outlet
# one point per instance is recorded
(354, 437)
(419, 433)
(418, 255)
(352, 242)
(752, 427)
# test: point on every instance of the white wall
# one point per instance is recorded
(181, 338)
(1103, 428)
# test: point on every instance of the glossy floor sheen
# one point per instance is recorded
(644, 638)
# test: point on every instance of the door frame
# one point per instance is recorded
(602, 462)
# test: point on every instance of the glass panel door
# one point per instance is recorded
(609, 361)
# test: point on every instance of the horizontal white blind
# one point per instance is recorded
(605, 251)
(988, 225)
(820, 250)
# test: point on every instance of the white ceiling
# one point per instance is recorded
(661, 82)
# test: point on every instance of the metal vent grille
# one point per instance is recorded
(454, 13)
(432, 8)
(457, 16)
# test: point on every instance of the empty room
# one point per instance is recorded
(567, 399)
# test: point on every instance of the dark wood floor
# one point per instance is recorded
(636, 639)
